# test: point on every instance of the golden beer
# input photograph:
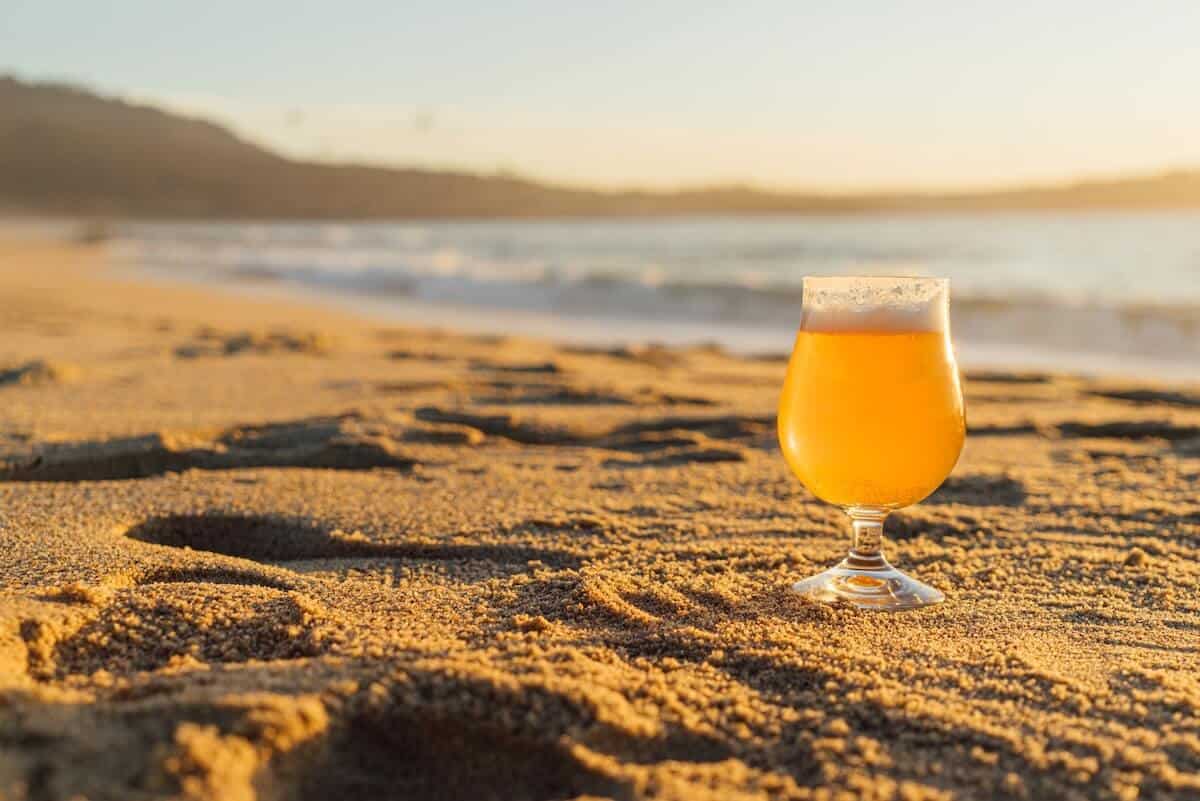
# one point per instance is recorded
(871, 418)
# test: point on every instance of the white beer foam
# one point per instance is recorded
(875, 304)
(931, 317)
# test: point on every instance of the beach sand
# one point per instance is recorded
(257, 550)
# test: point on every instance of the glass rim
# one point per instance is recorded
(888, 279)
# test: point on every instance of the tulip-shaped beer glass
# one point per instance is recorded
(871, 419)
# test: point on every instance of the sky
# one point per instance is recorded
(791, 94)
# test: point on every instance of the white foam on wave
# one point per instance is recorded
(638, 292)
(875, 304)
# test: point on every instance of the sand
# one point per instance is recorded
(256, 550)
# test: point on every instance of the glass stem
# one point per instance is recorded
(867, 551)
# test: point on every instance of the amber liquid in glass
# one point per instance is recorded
(871, 418)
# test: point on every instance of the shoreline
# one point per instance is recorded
(1126, 341)
(596, 331)
(255, 548)
(584, 329)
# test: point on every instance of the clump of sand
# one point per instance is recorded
(209, 341)
(38, 372)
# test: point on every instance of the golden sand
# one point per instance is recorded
(263, 551)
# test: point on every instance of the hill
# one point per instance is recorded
(64, 150)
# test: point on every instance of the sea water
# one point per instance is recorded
(1094, 292)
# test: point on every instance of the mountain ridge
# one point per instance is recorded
(65, 150)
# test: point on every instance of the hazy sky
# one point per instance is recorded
(836, 94)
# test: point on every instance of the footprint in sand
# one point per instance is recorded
(276, 540)
(209, 342)
(158, 624)
(1150, 397)
(680, 439)
(40, 373)
(405, 746)
(980, 490)
(208, 614)
(337, 443)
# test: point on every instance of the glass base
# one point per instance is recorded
(868, 583)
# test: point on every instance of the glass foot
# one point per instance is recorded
(869, 584)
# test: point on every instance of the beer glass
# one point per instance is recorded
(871, 419)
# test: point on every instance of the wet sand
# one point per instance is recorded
(267, 551)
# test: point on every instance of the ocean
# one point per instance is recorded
(1094, 293)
